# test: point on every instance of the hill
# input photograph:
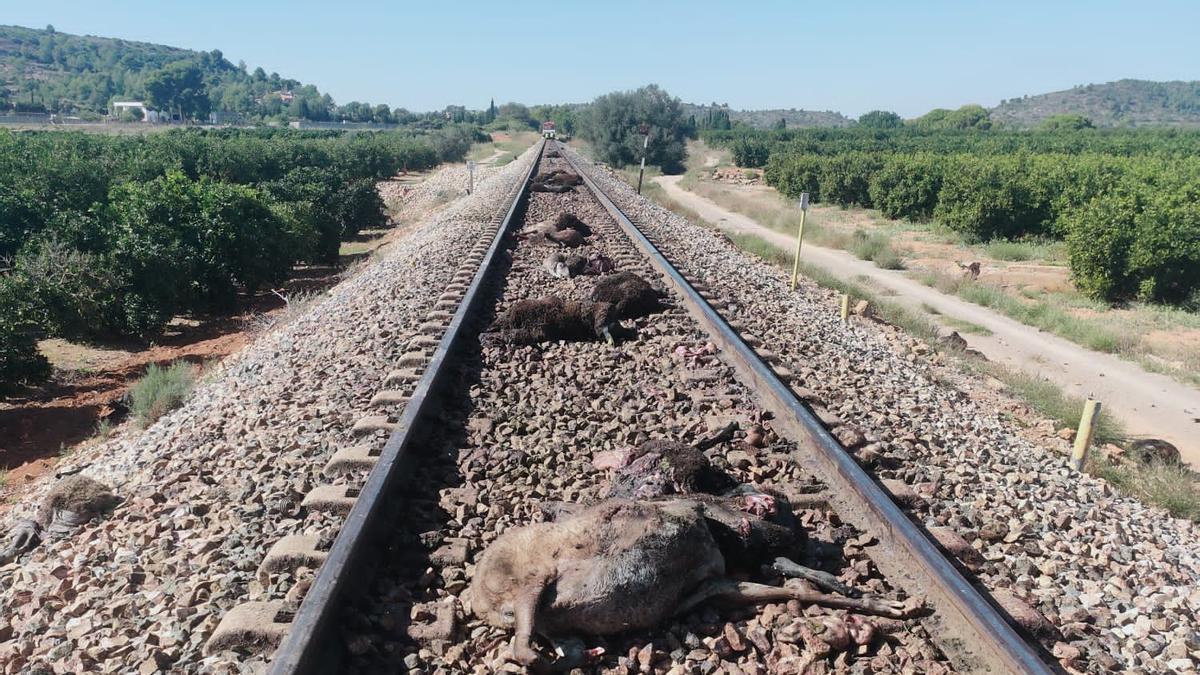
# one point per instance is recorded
(49, 71)
(766, 119)
(1124, 103)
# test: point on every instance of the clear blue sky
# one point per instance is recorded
(846, 56)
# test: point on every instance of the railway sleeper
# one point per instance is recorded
(293, 552)
(390, 397)
(372, 423)
(414, 358)
(253, 627)
(352, 459)
(403, 375)
(338, 499)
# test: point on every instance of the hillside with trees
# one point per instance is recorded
(49, 71)
(1124, 103)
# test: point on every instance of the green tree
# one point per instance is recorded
(612, 127)
(179, 88)
(1069, 122)
(880, 119)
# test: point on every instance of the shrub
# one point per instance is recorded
(64, 291)
(1165, 257)
(794, 174)
(750, 153)
(985, 198)
(160, 390)
(846, 179)
(20, 360)
(907, 186)
(877, 248)
(1099, 240)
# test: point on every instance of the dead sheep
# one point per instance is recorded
(564, 266)
(622, 565)
(550, 318)
(631, 296)
(547, 319)
(565, 230)
(555, 180)
(72, 502)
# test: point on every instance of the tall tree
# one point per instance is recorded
(613, 121)
(179, 88)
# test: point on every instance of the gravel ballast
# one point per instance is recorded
(211, 486)
(1115, 583)
(523, 433)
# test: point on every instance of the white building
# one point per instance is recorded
(148, 115)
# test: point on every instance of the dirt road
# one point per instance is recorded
(1148, 404)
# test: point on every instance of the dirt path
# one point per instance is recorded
(491, 159)
(1148, 404)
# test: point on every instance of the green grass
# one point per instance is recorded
(965, 326)
(1171, 486)
(1050, 317)
(1049, 252)
(160, 391)
(877, 248)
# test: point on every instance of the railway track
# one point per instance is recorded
(484, 433)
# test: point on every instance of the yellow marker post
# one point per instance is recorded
(845, 306)
(799, 238)
(1083, 437)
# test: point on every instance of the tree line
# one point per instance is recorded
(1131, 221)
(107, 237)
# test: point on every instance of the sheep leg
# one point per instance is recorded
(732, 592)
(24, 536)
(822, 579)
(525, 609)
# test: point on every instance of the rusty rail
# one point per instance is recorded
(306, 647)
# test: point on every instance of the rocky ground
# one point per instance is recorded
(211, 486)
(534, 418)
(1108, 583)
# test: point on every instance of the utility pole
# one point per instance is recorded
(644, 130)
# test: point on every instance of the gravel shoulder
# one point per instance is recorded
(1149, 405)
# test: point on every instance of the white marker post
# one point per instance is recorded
(644, 130)
(799, 238)
(471, 180)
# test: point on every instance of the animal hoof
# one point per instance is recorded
(525, 656)
(894, 609)
(760, 505)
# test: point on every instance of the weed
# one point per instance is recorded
(877, 248)
(104, 430)
(160, 391)
(1171, 486)
(966, 326)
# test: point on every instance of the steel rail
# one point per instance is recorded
(970, 629)
(307, 647)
